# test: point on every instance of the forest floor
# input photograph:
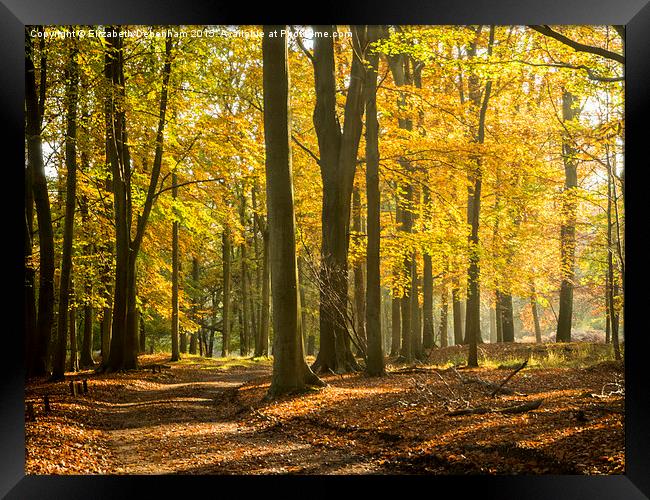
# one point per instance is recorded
(209, 416)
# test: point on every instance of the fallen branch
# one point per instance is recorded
(505, 381)
(522, 408)
(483, 383)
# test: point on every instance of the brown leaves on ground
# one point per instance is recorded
(210, 417)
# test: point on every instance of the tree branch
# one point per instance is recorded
(306, 149)
(580, 47)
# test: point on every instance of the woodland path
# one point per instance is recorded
(209, 416)
(184, 420)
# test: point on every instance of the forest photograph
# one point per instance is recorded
(324, 250)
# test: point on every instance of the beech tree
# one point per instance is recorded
(290, 370)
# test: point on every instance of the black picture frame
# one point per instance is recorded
(634, 14)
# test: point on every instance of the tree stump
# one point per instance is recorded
(46, 403)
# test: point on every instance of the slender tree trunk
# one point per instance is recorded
(254, 333)
(244, 334)
(36, 167)
(457, 313)
(175, 278)
(73, 364)
(396, 326)
(499, 315)
(65, 290)
(493, 325)
(533, 306)
(427, 306)
(225, 348)
(266, 295)
(444, 309)
(375, 352)
(359, 282)
(143, 335)
(195, 337)
(396, 313)
(87, 342)
(338, 159)
(124, 338)
(613, 287)
(290, 371)
(473, 314)
(568, 229)
(416, 322)
(507, 318)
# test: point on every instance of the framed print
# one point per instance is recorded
(393, 248)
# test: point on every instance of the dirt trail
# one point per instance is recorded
(174, 424)
(208, 416)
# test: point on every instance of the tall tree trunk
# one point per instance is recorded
(416, 323)
(244, 334)
(302, 279)
(124, 338)
(493, 325)
(457, 312)
(225, 347)
(533, 306)
(427, 305)
(290, 371)
(175, 278)
(87, 342)
(473, 314)
(359, 285)
(444, 310)
(266, 296)
(375, 351)
(400, 69)
(499, 315)
(73, 364)
(396, 312)
(611, 281)
(36, 167)
(65, 290)
(143, 334)
(507, 318)
(568, 229)
(195, 336)
(338, 159)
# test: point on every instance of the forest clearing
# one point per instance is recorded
(209, 416)
(366, 249)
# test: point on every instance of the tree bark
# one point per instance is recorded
(290, 371)
(568, 228)
(507, 318)
(73, 363)
(613, 313)
(427, 306)
(457, 312)
(244, 333)
(538, 329)
(338, 158)
(416, 322)
(196, 336)
(473, 313)
(444, 341)
(34, 115)
(124, 339)
(359, 285)
(175, 278)
(396, 313)
(225, 347)
(65, 290)
(375, 351)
